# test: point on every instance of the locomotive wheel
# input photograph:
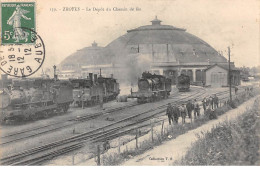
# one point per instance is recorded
(9, 122)
(165, 95)
(52, 112)
(26, 118)
(33, 117)
(45, 114)
(153, 98)
(79, 104)
(90, 103)
(65, 108)
(3, 121)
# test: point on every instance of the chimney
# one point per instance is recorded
(94, 44)
(91, 76)
(95, 78)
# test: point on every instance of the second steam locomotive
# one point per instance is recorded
(152, 87)
(91, 90)
(183, 83)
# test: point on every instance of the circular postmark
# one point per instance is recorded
(23, 60)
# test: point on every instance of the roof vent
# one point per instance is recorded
(156, 21)
(94, 44)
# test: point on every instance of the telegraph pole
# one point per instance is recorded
(54, 73)
(229, 75)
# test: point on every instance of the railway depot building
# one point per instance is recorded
(160, 49)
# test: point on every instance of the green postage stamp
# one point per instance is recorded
(18, 22)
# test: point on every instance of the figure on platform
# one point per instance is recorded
(196, 109)
(189, 107)
(176, 114)
(183, 112)
(169, 113)
(215, 100)
(211, 102)
(204, 103)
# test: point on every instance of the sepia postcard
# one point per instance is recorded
(130, 83)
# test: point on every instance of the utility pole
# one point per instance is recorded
(54, 71)
(229, 75)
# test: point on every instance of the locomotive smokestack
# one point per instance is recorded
(91, 76)
(111, 75)
(95, 78)
(100, 72)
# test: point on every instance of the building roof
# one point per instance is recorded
(97, 66)
(88, 55)
(223, 66)
(181, 45)
(164, 43)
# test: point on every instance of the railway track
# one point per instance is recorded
(99, 137)
(36, 131)
(79, 140)
(88, 117)
(25, 134)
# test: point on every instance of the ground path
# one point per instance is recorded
(175, 149)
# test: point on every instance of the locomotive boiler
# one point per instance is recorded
(152, 87)
(90, 91)
(183, 83)
(31, 99)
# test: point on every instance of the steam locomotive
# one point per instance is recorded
(183, 83)
(30, 99)
(89, 91)
(152, 87)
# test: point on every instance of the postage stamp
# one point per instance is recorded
(16, 15)
(22, 49)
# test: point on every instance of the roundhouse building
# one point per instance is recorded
(71, 67)
(168, 50)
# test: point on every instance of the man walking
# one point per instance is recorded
(204, 103)
(169, 113)
(189, 107)
(176, 114)
(196, 109)
(215, 100)
(183, 112)
(211, 102)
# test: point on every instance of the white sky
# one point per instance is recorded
(220, 23)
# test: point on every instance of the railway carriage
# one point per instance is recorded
(152, 87)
